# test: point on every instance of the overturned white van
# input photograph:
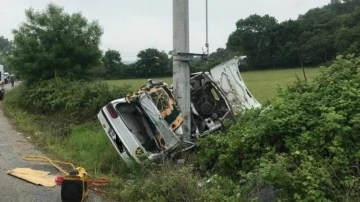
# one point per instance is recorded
(147, 123)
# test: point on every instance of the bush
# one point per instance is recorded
(64, 103)
(305, 145)
(172, 183)
(77, 99)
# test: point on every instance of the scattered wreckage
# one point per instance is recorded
(147, 123)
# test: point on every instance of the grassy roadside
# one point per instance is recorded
(88, 147)
(85, 146)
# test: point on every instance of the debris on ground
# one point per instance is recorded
(37, 177)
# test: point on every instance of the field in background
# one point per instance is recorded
(262, 84)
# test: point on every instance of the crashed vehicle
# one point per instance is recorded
(147, 124)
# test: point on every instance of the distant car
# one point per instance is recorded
(147, 123)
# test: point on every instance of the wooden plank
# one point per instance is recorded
(37, 177)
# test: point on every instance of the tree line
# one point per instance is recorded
(314, 38)
(52, 42)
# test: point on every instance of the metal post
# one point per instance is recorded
(181, 70)
(207, 29)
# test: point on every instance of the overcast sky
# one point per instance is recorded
(132, 25)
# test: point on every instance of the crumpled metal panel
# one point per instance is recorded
(160, 123)
(228, 77)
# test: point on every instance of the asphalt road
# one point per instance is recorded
(13, 146)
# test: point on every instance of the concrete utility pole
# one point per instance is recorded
(181, 70)
(207, 29)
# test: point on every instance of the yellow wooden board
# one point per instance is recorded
(37, 177)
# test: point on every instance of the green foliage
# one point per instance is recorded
(215, 58)
(219, 188)
(315, 37)
(305, 144)
(6, 47)
(152, 63)
(200, 65)
(168, 185)
(77, 101)
(53, 43)
(24, 120)
(89, 147)
(254, 37)
(178, 183)
(114, 68)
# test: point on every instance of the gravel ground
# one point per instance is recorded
(13, 146)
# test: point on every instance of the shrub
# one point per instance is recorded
(305, 145)
(79, 100)
(173, 183)
(62, 103)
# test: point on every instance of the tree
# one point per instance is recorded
(315, 37)
(348, 35)
(152, 63)
(5, 46)
(112, 64)
(316, 47)
(5, 49)
(286, 47)
(220, 54)
(254, 36)
(52, 42)
(335, 1)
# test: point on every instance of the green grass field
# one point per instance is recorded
(262, 84)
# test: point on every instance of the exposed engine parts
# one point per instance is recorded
(206, 100)
(208, 104)
(206, 108)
